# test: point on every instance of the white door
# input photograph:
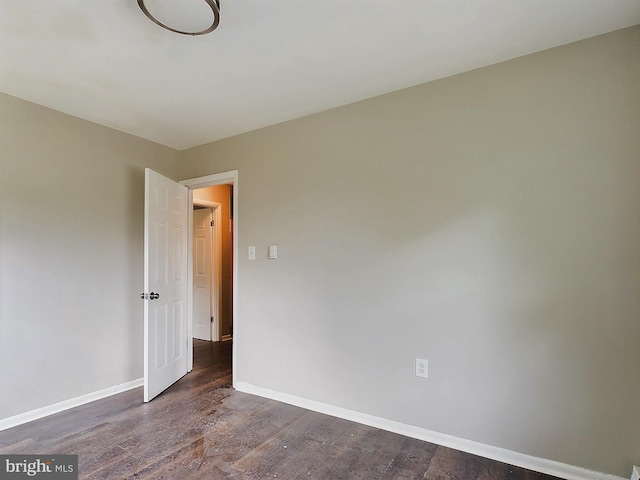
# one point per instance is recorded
(202, 255)
(165, 283)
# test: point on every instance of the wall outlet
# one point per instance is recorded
(422, 368)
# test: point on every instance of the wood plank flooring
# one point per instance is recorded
(202, 429)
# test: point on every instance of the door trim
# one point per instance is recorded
(230, 177)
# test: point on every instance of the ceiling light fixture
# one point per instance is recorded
(213, 4)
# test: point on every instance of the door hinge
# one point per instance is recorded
(211, 319)
(212, 223)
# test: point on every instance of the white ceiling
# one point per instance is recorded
(269, 60)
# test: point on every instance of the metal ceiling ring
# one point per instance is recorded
(213, 4)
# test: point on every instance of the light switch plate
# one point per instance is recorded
(273, 251)
(252, 253)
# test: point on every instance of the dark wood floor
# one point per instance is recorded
(202, 429)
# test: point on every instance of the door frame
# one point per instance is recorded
(230, 177)
(216, 271)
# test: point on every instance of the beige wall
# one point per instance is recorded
(222, 194)
(71, 253)
(488, 222)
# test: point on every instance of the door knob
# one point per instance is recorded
(154, 296)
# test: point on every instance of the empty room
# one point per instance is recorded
(323, 240)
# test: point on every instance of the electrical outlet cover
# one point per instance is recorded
(422, 368)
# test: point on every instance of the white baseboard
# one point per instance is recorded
(542, 465)
(67, 404)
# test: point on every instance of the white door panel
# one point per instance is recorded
(165, 275)
(202, 254)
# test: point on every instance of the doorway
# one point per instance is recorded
(228, 325)
(212, 262)
(207, 269)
